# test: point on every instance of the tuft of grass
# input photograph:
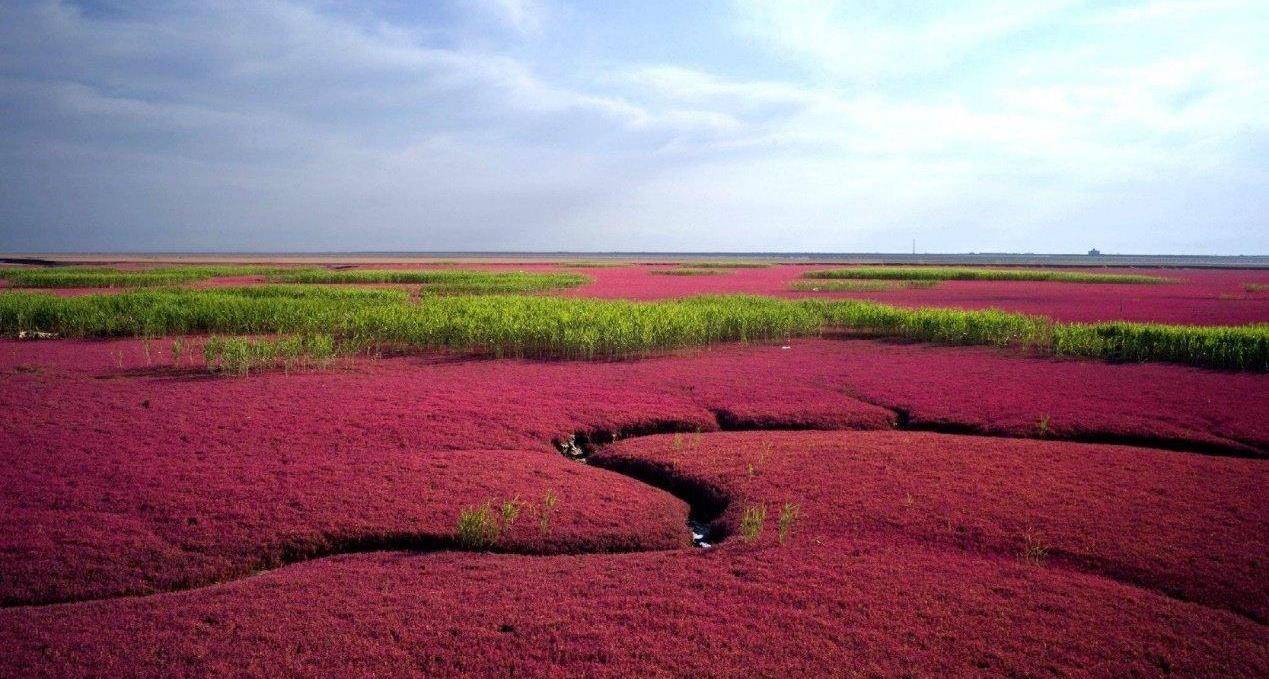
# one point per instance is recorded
(753, 466)
(852, 285)
(788, 517)
(510, 512)
(1042, 428)
(1255, 287)
(948, 273)
(752, 521)
(178, 348)
(447, 281)
(482, 526)
(239, 356)
(478, 527)
(546, 511)
(1033, 548)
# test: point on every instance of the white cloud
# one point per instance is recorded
(525, 16)
(869, 41)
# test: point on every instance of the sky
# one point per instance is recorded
(635, 125)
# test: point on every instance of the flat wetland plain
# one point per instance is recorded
(603, 466)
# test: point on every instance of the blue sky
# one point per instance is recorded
(1046, 126)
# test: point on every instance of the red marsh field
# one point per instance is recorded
(614, 468)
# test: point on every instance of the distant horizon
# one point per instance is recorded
(613, 253)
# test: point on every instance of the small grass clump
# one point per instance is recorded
(1033, 549)
(788, 517)
(1043, 426)
(478, 527)
(852, 285)
(752, 521)
(239, 356)
(482, 526)
(443, 281)
(1255, 287)
(546, 511)
(948, 273)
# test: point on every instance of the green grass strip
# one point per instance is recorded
(543, 326)
(450, 281)
(330, 293)
(827, 285)
(689, 272)
(104, 277)
(726, 264)
(947, 273)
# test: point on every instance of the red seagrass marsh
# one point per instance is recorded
(617, 467)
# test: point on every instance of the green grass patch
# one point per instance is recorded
(689, 272)
(726, 264)
(594, 264)
(329, 293)
(752, 521)
(849, 285)
(104, 277)
(947, 273)
(240, 355)
(1239, 347)
(497, 325)
(445, 281)
(574, 328)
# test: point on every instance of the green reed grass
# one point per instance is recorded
(330, 293)
(594, 264)
(478, 527)
(104, 277)
(574, 328)
(726, 264)
(752, 521)
(689, 272)
(240, 355)
(450, 281)
(947, 273)
(848, 285)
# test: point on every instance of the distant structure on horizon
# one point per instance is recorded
(1094, 252)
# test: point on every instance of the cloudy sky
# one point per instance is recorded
(737, 125)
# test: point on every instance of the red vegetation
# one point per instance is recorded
(914, 552)
(1201, 297)
(1191, 526)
